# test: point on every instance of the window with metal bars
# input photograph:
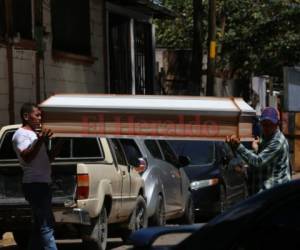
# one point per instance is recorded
(16, 19)
(143, 58)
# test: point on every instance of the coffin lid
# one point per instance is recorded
(231, 114)
(137, 103)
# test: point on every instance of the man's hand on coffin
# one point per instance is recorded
(255, 144)
(233, 142)
(45, 135)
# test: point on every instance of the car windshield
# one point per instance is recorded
(199, 152)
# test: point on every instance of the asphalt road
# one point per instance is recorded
(8, 243)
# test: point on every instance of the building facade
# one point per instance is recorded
(82, 46)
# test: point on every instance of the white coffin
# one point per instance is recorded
(172, 117)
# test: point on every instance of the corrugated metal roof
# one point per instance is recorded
(149, 7)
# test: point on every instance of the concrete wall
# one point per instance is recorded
(3, 87)
(56, 76)
(24, 78)
(61, 76)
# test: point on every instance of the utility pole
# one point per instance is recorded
(211, 55)
(197, 55)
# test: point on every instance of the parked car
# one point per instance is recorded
(166, 185)
(268, 220)
(214, 182)
(93, 187)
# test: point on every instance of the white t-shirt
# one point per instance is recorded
(39, 169)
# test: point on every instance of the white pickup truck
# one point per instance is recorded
(94, 187)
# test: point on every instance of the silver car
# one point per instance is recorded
(166, 185)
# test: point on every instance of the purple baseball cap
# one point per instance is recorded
(271, 114)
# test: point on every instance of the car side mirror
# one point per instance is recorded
(142, 165)
(184, 160)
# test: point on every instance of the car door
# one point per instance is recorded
(10, 172)
(124, 171)
(276, 227)
(133, 154)
(171, 176)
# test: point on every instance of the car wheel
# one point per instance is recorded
(96, 236)
(22, 238)
(223, 199)
(189, 213)
(159, 217)
(138, 218)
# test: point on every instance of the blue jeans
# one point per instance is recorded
(39, 196)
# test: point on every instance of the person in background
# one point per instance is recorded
(29, 142)
(270, 153)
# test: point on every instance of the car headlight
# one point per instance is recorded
(203, 183)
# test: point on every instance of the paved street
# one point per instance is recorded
(113, 243)
(7, 243)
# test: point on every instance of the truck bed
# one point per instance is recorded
(63, 185)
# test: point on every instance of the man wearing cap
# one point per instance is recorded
(271, 154)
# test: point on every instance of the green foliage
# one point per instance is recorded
(253, 36)
(176, 33)
(260, 37)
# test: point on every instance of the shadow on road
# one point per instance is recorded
(72, 245)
